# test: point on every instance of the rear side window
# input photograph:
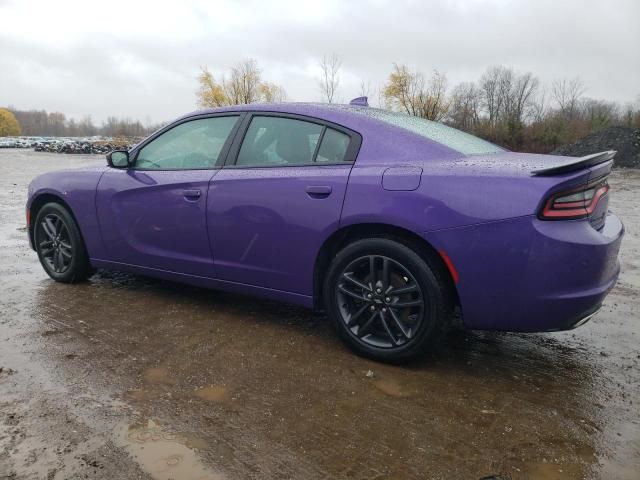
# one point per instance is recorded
(450, 137)
(333, 148)
(273, 141)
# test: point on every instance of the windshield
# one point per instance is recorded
(450, 137)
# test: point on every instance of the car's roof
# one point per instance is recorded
(338, 113)
(294, 107)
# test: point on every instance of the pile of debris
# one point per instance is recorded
(97, 144)
(625, 140)
(66, 145)
(19, 142)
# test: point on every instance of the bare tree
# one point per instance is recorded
(373, 93)
(600, 113)
(520, 96)
(330, 80)
(507, 95)
(490, 87)
(567, 94)
(433, 101)
(243, 86)
(365, 88)
(539, 108)
(465, 106)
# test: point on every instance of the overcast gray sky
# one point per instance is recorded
(141, 59)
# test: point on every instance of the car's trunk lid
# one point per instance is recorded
(514, 164)
(535, 177)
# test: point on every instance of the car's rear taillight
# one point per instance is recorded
(575, 203)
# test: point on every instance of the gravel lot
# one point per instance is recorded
(128, 377)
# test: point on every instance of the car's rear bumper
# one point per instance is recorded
(529, 275)
(581, 319)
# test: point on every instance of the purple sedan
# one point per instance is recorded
(388, 222)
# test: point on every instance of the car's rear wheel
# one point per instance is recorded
(385, 300)
(59, 244)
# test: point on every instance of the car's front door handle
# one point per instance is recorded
(191, 194)
(318, 191)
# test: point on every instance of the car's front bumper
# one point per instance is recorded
(526, 274)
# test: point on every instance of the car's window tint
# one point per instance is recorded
(191, 145)
(333, 147)
(279, 141)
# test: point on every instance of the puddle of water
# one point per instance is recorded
(390, 387)
(165, 455)
(213, 393)
(158, 375)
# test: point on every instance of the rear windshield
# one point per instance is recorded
(450, 137)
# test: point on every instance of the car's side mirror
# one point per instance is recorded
(118, 159)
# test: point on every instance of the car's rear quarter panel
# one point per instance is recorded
(525, 274)
(515, 272)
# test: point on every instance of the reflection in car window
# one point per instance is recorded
(462, 142)
(191, 145)
(279, 141)
(333, 147)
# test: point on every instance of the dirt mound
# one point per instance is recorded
(625, 140)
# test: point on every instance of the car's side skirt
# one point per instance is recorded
(205, 282)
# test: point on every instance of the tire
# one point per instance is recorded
(394, 315)
(59, 244)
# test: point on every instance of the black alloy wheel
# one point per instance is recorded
(59, 244)
(380, 301)
(387, 299)
(54, 243)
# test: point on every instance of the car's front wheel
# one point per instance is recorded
(385, 300)
(60, 246)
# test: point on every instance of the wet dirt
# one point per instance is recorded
(130, 377)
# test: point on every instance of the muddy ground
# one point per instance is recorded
(128, 377)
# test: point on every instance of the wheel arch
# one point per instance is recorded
(350, 233)
(40, 201)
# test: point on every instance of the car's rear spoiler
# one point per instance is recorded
(576, 164)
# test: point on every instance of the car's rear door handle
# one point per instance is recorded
(192, 194)
(318, 191)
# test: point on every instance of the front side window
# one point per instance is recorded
(271, 141)
(191, 145)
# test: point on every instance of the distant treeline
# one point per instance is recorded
(41, 123)
(515, 110)
(510, 108)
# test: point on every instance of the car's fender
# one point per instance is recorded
(76, 189)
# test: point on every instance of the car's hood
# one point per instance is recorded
(86, 168)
